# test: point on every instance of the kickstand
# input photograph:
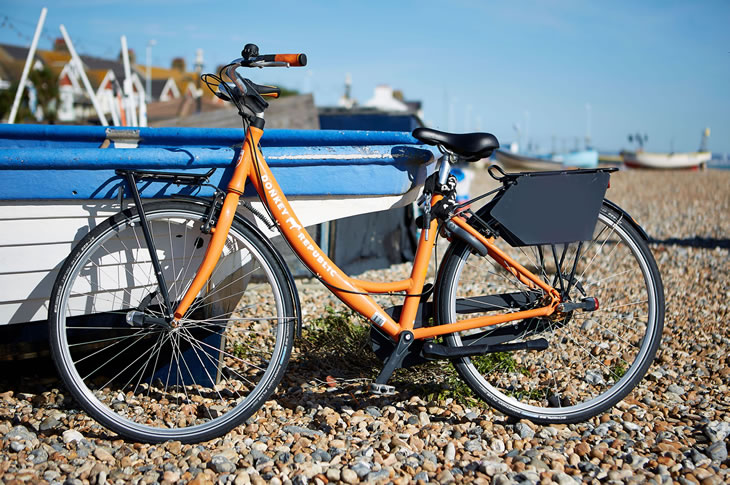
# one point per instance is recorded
(380, 386)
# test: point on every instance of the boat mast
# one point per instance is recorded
(26, 68)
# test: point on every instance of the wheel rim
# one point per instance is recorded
(594, 357)
(209, 372)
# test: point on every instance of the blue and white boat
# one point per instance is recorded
(57, 182)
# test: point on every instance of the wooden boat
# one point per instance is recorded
(518, 162)
(665, 161)
(57, 182)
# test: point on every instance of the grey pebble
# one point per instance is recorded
(717, 451)
(221, 464)
(473, 445)
(321, 455)
(20, 432)
(49, 423)
(39, 456)
(524, 431)
(697, 457)
(375, 412)
(502, 479)
(717, 430)
(676, 389)
(283, 457)
(378, 475)
(429, 455)
(539, 464)
(361, 469)
(302, 431)
(421, 476)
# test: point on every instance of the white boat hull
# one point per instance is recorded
(666, 161)
(37, 236)
(514, 162)
(558, 161)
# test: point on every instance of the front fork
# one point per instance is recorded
(225, 220)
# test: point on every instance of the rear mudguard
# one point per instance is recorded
(279, 258)
(628, 217)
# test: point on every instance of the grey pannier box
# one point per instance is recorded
(549, 207)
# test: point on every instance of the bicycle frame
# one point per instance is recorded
(347, 289)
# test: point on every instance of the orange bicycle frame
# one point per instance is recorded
(252, 166)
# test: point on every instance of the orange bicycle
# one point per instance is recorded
(176, 319)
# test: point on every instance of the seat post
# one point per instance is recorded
(445, 163)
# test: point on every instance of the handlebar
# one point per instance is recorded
(250, 58)
(244, 87)
(271, 60)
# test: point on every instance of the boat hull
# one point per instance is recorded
(577, 159)
(666, 161)
(514, 162)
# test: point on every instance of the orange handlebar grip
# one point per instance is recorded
(292, 59)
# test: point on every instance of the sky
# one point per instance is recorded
(555, 70)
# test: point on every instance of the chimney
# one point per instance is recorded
(59, 45)
(179, 64)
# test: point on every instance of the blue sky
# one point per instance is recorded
(658, 67)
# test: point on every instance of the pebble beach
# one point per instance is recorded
(323, 426)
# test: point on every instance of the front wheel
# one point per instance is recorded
(594, 358)
(151, 381)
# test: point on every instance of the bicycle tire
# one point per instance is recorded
(218, 366)
(594, 359)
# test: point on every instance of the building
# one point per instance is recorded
(106, 78)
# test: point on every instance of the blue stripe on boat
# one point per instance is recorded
(66, 162)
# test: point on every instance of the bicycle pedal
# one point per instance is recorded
(381, 389)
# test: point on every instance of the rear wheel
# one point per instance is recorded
(150, 381)
(593, 358)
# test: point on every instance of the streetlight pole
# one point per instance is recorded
(148, 85)
(199, 70)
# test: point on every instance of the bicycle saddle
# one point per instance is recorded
(470, 146)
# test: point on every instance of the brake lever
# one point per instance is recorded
(261, 64)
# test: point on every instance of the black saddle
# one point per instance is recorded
(470, 146)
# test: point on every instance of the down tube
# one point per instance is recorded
(311, 254)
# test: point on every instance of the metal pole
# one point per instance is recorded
(131, 105)
(148, 86)
(199, 70)
(76, 63)
(26, 68)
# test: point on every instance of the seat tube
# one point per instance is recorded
(418, 272)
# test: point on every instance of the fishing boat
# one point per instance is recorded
(666, 161)
(520, 162)
(58, 182)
